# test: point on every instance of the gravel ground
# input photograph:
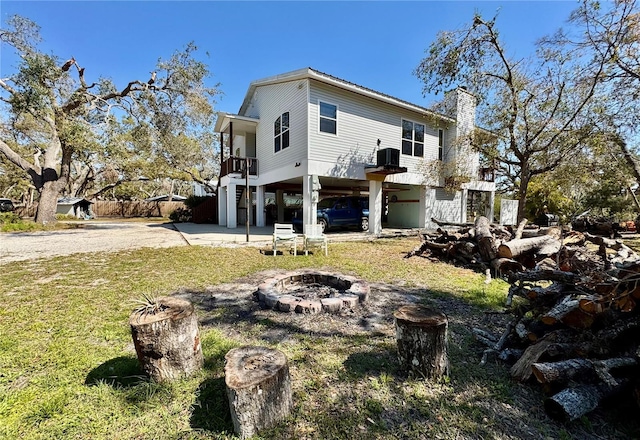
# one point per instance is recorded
(89, 237)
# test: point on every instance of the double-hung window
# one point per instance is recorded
(281, 132)
(440, 144)
(412, 138)
(328, 118)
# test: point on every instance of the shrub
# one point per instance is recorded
(11, 222)
(180, 215)
(193, 201)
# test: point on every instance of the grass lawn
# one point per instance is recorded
(68, 369)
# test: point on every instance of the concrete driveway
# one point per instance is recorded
(109, 236)
(91, 236)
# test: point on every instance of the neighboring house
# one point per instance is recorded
(74, 206)
(305, 127)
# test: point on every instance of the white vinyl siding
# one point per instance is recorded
(270, 103)
(361, 122)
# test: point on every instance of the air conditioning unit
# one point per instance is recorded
(389, 157)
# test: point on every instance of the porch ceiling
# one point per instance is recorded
(240, 123)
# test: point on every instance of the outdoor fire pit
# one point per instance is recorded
(312, 292)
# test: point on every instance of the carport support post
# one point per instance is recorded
(280, 205)
(375, 207)
(222, 205)
(232, 207)
(306, 202)
(260, 217)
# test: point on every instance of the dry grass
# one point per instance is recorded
(69, 369)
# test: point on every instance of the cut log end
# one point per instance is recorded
(248, 366)
(420, 316)
(421, 337)
(258, 387)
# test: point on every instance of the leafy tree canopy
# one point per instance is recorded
(71, 134)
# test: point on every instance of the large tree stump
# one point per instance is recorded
(167, 339)
(421, 337)
(258, 387)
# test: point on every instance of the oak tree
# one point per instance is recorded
(63, 129)
(538, 108)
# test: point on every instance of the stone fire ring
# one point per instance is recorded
(272, 292)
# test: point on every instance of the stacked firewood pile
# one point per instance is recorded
(575, 327)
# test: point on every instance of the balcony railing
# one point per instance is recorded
(235, 164)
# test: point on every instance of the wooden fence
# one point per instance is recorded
(107, 208)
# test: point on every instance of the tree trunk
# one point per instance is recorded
(421, 337)
(46, 211)
(523, 188)
(168, 341)
(258, 388)
(484, 238)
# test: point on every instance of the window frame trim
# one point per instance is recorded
(320, 101)
(280, 135)
(413, 134)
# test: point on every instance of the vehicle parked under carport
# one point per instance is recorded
(339, 212)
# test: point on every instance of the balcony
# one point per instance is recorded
(236, 165)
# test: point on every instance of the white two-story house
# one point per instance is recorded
(303, 127)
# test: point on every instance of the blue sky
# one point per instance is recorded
(374, 44)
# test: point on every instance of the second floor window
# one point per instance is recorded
(281, 132)
(412, 138)
(328, 118)
(440, 144)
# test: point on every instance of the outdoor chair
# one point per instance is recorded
(283, 234)
(313, 236)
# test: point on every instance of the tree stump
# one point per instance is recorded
(167, 339)
(258, 387)
(421, 337)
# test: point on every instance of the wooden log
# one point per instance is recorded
(572, 403)
(568, 311)
(258, 387)
(522, 369)
(521, 225)
(607, 242)
(545, 275)
(543, 245)
(497, 348)
(484, 336)
(421, 337)
(167, 339)
(585, 369)
(505, 266)
(485, 240)
(562, 371)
